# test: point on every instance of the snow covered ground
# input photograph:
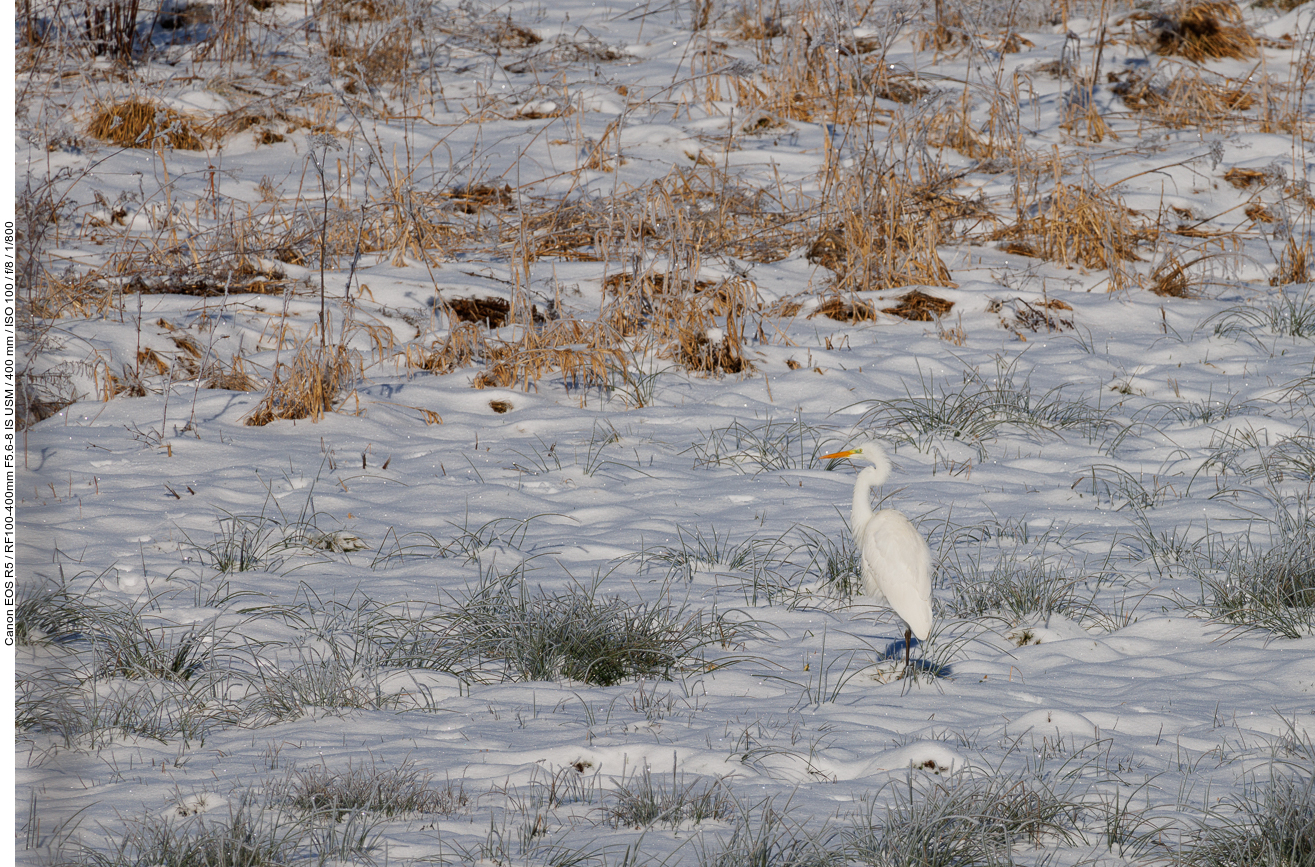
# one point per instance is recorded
(598, 610)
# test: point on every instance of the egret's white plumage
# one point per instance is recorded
(896, 560)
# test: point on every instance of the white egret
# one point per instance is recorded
(896, 560)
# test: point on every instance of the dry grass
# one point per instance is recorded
(490, 312)
(70, 294)
(918, 306)
(840, 78)
(954, 334)
(1241, 179)
(1080, 225)
(463, 346)
(202, 279)
(1295, 263)
(842, 310)
(1201, 31)
(583, 353)
(752, 25)
(233, 376)
(1281, 5)
(474, 198)
(309, 386)
(875, 227)
(705, 208)
(953, 125)
(887, 230)
(698, 323)
(1018, 315)
(137, 123)
(1169, 280)
(1192, 98)
(573, 231)
(386, 59)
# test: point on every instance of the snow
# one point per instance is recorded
(1125, 683)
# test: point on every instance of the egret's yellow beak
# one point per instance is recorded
(843, 454)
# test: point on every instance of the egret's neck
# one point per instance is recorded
(868, 479)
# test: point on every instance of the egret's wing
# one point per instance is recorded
(897, 564)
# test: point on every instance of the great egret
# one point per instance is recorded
(896, 560)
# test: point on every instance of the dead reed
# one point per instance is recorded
(1080, 225)
(918, 306)
(1018, 315)
(583, 353)
(1191, 98)
(137, 123)
(309, 386)
(1201, 31)
(885, 231)
(1295, 263)
(845, 310)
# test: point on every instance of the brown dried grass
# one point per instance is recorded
(463, 346)
(1241, 179)
(475, 197)
(887, 230)
(1295, 263)
(1201, 31)
(584, 353)
(384, 59)
(707, 209)
(1192, 98)
(138, 123)
(360, 11)
(491, 312)
(1169, 279)
(201, 279)
(233, 376)
(918, 306)
(698, 323)
(574, 231)
(845, 310)
(70, 294)
(1080, 225)
(309, 386)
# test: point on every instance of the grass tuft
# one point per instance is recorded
(506, 632)
(248, 834)
(1287, 314)
(309, 386)
(136, 123)
(1271, 589)
(765, 447)
(645, 800)
(763, 835)
(1201, 31)
(1272, 825)
(1080, 225)
(398, 791)
(968, 817)
(49, 614)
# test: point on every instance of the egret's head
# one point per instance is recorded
(871, 452)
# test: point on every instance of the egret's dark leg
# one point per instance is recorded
(908, 645)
